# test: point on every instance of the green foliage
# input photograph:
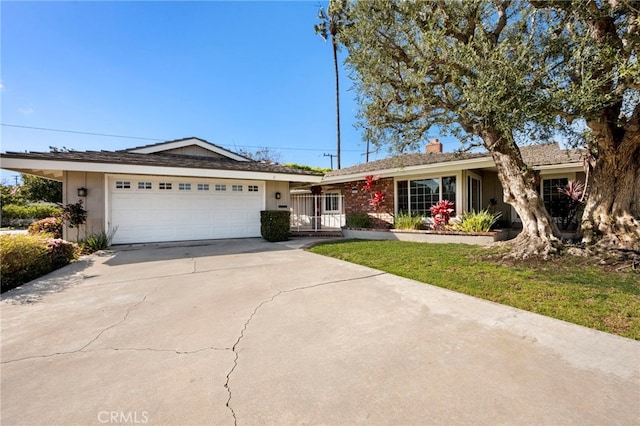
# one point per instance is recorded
(74, 214)
(26, 257)
(98, 241)
(49, 225)
(275, 225)
(358, 220)
(13, 212)
(11, 195)
(574, 289)
(40, 189)
(481, 221)
(407, 221)
(319, 170)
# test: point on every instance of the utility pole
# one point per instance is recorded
(331, 155)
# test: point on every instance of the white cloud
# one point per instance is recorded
(25, 111)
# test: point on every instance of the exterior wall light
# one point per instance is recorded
(278, 195)
(354, 190)
(82, 192)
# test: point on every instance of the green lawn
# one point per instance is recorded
(572, 289)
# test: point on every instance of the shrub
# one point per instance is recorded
(358, 220)
(99, 241)
(481, 221)
(441, 213)
(50, 225)
(275, 225)
(36, 211)
(26, 257)
(407, 221)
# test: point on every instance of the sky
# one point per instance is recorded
(239, 74)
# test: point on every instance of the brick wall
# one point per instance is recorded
(359, 202)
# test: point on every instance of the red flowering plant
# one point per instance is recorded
(369, 181)
(441, 213)
(377, 198)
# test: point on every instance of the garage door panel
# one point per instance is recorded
(171, 215)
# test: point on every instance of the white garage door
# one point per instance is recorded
(154, 209)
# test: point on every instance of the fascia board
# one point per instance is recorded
(16, 164)
(188, 142)
(569, 167)
(450, 166)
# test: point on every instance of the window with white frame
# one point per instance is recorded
(236, 188)
(166, 186)
(331, 202)
(252, 188)
(145, 185)
(416, 196)
(220, 187)
(203, 187)
(123, 184)
(184, 187)
(553, 199)
(474, 194)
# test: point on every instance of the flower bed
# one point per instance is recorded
(478, 238)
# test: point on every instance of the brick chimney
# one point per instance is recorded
(434, 146)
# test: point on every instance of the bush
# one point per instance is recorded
(13, 212)
(50, 225)
(26, 257)
(481, 221)
(407, 221)
(275, 225)
(99, 241)
(359, 220)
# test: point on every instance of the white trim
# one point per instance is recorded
(450, 167)
(78, 166)
(166, 146)
(459, 187)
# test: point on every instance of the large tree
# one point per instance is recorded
(471, 68)
(594, 45)
(502, 73)
(37, 189)
(331, 24)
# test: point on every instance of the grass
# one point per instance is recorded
(573, 289)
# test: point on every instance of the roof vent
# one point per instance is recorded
(434, 146)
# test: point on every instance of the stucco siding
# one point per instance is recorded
(271, 188)
(93, 202)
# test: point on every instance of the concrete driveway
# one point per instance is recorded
(248, 332)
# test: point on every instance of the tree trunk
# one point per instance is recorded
(540, 234)
(612, 212)
(335, 66)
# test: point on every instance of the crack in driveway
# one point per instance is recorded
(97, 336)
(261, 304)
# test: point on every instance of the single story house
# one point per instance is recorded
(412, 183)
(186, 189)
(191, 189)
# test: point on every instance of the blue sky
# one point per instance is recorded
(238, 74)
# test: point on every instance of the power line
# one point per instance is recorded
(46, 129)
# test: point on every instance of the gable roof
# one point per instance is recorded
(533, 155)
(52, 165)
(182, 143)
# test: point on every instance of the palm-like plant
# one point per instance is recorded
(331, 23)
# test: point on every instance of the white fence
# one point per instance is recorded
(317, 212)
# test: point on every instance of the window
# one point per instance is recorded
(165, 185)
(144, 185)
(417, 196)
(203, 187)
(331, 202)
(123, 184)
(221, 187)
(184, 187)
(252, 188)
(236, 188)
(473, 194)
(553, 199)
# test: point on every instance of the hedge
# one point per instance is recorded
(26, 257)
(50, 225)
(275, 225)
(37, 211)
